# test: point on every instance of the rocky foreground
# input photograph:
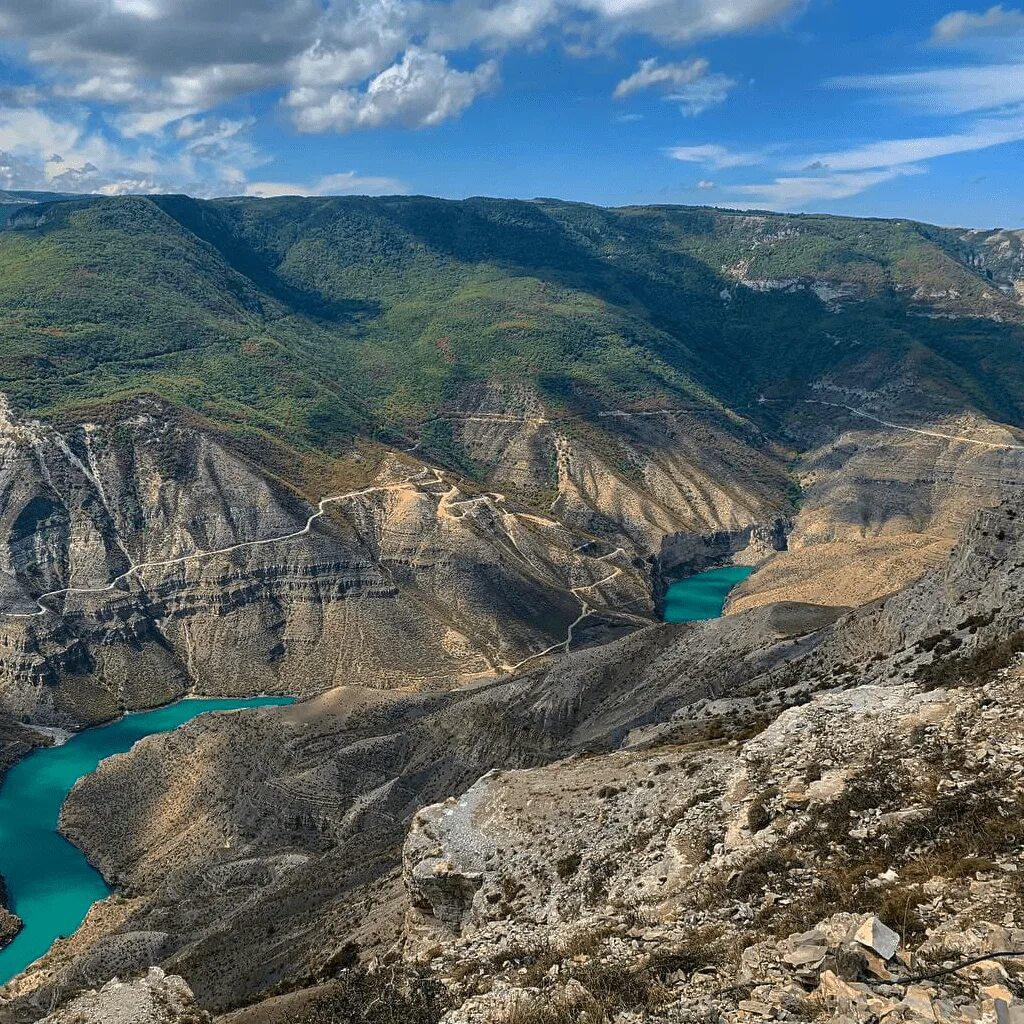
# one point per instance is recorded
(857, 860)
(841, 864)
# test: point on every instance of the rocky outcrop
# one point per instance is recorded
(882, 505)
(856, 859)
(408, 580)
(155, 998)
(306, 829)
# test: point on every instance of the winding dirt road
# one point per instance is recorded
(963, 439)
(197, 555)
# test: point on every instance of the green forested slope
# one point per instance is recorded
(312, 322)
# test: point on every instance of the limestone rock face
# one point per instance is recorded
(882, 504)
(297, 815)
(166, 563)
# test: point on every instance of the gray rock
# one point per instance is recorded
(877, 936)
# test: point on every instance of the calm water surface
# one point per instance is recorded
(50, 884)
(703, 596)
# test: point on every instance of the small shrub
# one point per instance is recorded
(567, 866)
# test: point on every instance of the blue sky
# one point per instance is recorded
(864, 108)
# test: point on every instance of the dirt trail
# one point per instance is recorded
(139, 567)
(585, 610)
(963, 439)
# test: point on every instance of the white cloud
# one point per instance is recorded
(652, 72)
(841, 174)
(347, 183)
(689, 84)
(420, 90)
(160, 54)
(496, 24)
(54, 146)
(63, 153)
(705, 185)
(993, 92)
(895, 152)
(965, 28)
(796, 192)
(20, 96)
(683, 21)
(706, 92)
(103, 89)
(956, 90)
(161, 60)
(125, 91)
(716, 156)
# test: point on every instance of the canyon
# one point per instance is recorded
(460, 571)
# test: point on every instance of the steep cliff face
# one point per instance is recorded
(1000, 255)
(884, 501)
(144, 560)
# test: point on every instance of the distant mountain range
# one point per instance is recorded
(296, 326)
(12, 200)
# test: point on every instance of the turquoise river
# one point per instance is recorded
(702, 596)
(50, 884)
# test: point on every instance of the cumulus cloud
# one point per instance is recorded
(420, 90)
(137, 83)
(347, 183)
(996, 26)
(63, 153)
(150, 43)
(161, 60)
(53, 145)
(218, 138)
